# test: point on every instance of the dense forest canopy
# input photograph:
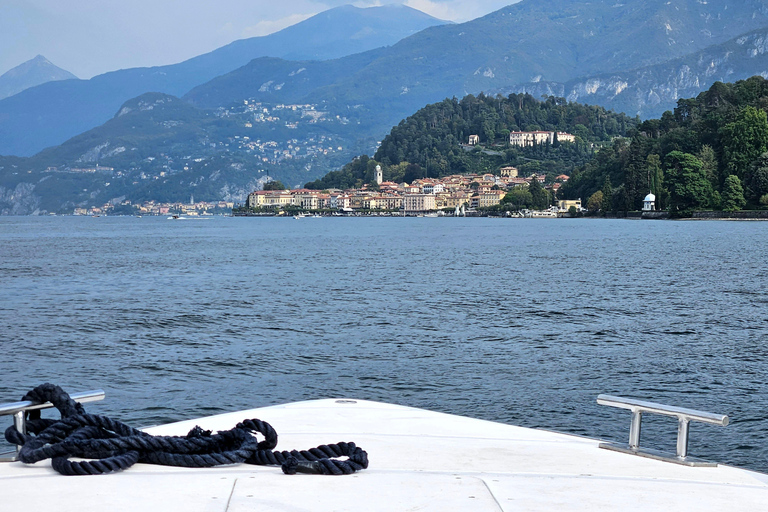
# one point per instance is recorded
(710, 153)
(432, 142)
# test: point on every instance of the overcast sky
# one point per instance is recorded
(89, 37)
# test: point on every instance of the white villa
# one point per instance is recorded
(530, 138)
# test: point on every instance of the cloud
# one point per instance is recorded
(265, 27)
(457, 10)
(372, 3)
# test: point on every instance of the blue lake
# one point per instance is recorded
(523, 321)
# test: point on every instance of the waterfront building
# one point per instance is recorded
(339, 201)
(489, 198)
(361, 201)
(369, 203)
(418, 203)
(457, 199)
(649, 203)
(324, 201)
(307, 199)
(565, 204)
(256, 199)
(269, 199)
(389, 202)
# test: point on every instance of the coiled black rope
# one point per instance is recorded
(113, 446)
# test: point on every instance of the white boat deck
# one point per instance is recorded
(419, 460)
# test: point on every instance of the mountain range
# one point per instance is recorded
(51, 113)
(637, 57)
(552, 42)
(29, 74)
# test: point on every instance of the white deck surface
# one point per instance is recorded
(419, 460)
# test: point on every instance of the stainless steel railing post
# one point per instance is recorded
(634, 429)
(682, 437)
(21, 425)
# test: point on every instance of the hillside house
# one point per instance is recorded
(526, 139)
(508, 172)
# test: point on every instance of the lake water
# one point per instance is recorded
(523, 321)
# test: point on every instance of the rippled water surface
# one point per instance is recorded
(519, 321)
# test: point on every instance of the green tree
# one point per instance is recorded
(620, 202)
(539, 195)
(656, 180)
(518, 198)
(636, 171)
(709, 165)
(274, 185)
(689, 187)
(595, 202)
(733, 194)
(412, 172)
(744, 140)
(757, 179)
(607, 191)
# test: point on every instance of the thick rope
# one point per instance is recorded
(113, 446)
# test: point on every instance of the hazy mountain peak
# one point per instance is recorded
(344, 30)
(55, 112)
(35, 71)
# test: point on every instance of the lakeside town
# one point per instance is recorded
(456, 194)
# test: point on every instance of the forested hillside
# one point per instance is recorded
(432, 142)
(710, 153)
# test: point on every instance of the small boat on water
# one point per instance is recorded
(419, 460)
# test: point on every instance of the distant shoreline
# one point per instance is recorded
(747, 215)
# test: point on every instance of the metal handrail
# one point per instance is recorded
(17, 410)
(683, 415)
(30, 405)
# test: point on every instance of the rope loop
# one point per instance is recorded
(112, 446)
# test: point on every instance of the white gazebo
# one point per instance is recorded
(649, 203)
